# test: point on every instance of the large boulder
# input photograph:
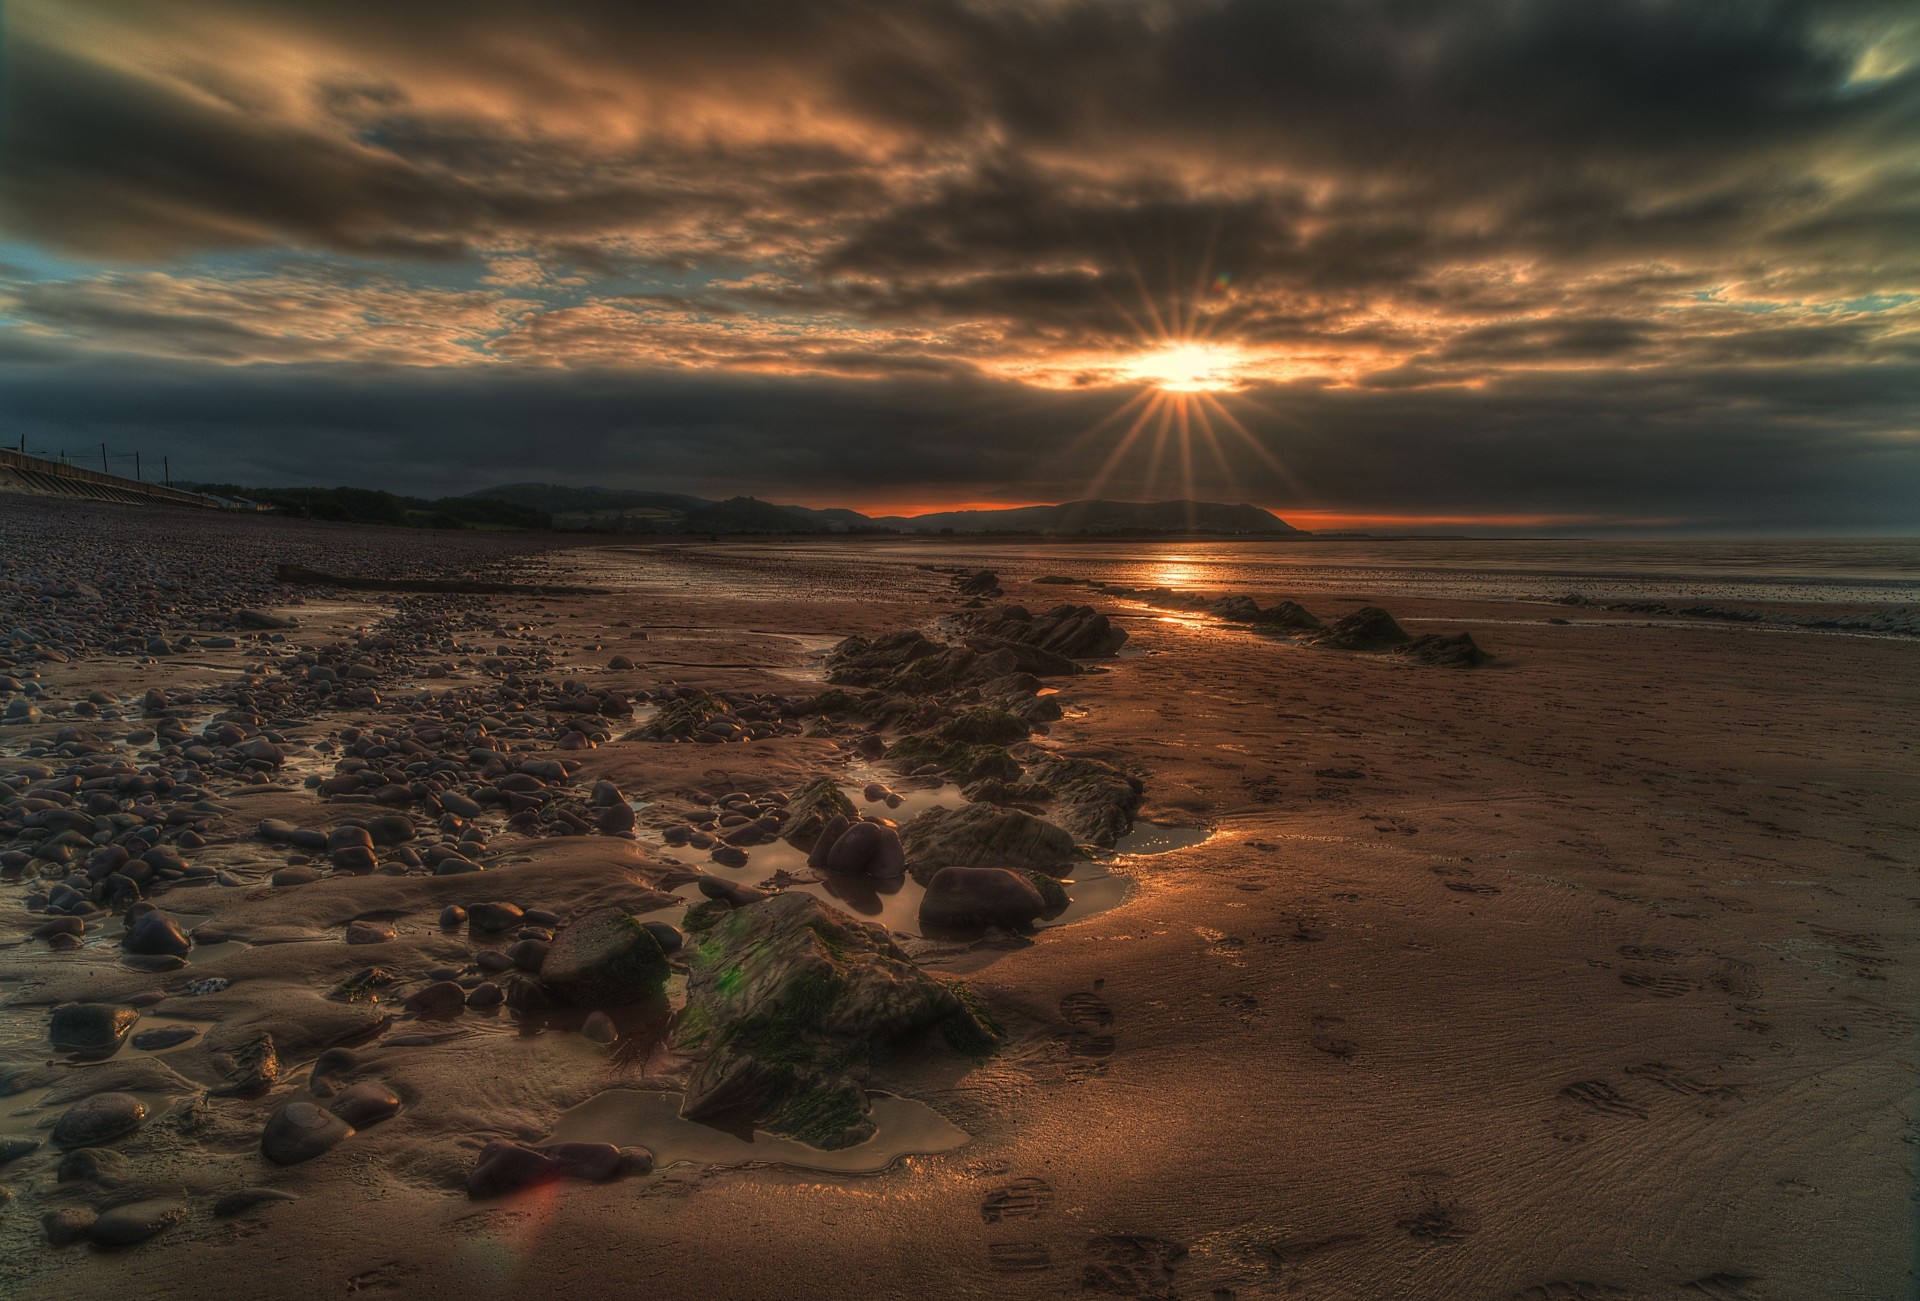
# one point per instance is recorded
(604, 959)
(787, 1001)
(964, 898)
(980, 835)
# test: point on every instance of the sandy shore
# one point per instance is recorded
(1584, 974)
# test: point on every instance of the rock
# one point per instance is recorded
(503, 1168)
(96, 1029)
(261, 621)
(485, 995)
(599, 1028)
(100, 1119)
(786, 998)
(493, 918)
(452, 917)
(441, 1000)
(12, 1149)
(667, 935)
(1288, 614)
(1367, 629)
(300, 1131)
(834, 828)
(1075, 632)
(604, 958)
(1093, 801)
(809, 811)
(155, 933)
(1459, 651)
(163, 1037)
(980, 835)
(983, 583)
(721, 890)
(962, 898)
(593, 1162)
(126, 1226)
(95, 1165)
(366, 1103)
(67, 1224)
(250, 1067)
(614, 819)
(367, 932)
(868, 849)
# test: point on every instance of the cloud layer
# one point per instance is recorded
(1643, 260)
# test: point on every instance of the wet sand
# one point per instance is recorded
(1587, 973)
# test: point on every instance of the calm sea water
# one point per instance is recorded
(1851, 571)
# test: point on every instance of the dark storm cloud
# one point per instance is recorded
(1560, 444)
(1444, 232)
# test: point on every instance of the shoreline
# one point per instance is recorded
(1473, 962)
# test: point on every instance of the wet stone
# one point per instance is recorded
(162, 1038)
(366, 1103)
(92, 1028)
(155, 933)
(100, 1119)
(301, 1131)
(67, 1225)
(126, 1226)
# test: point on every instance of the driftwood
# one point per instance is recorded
(300, 575)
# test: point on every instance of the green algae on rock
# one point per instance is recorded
(788, 1000)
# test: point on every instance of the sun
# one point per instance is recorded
(1188, 367)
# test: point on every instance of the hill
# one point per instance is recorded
(1101, 517)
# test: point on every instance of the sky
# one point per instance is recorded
(1477, 265)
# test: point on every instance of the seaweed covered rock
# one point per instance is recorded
(604, 959)
(1093, 800)
(980, 835)
(687, 718)
(1290, 615)
(818, 803)
(910, 663)
(787, 1001)
(95, 1029)
(1367, 629)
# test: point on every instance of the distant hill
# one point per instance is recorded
(631, 510)
(1101, 517)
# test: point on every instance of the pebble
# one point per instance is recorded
(366, 1103)
(67, 1225)
(599, 1028)
(92, 1028)
(163, 1037)
(125, 1226)
(100, 1119)
(300, 1131)
(155, 933)
(441, 1000)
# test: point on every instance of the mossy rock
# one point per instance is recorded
(787, 1002)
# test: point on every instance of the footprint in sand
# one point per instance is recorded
(1326, 1038)
(1435, 1217)
(1088, 1036)
(1599, 1096)
(1126, 1264)
(1658, 984)
(1026, 1198)
(1019, 1257)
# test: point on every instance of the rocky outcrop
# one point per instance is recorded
(812, 808)
(787, 1002)
(604, 959)
(1077, 632)
(1367, 629)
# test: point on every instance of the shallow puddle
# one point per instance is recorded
(1153, 838)
(644, 1118)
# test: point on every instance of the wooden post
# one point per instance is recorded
(103, 460)
(136, 466)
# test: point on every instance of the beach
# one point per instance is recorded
(1584, 972)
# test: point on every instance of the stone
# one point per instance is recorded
(134, 1223)
(667, 935)
(980, 835)
(604, 958)
(162, 1038)
(12, 1149)
(95, 1165)
(369, 932)
(593, 1162)
(816, 805)
(155, 933)
(67, 1225)
(599, 1028)
(441, 1000)
(961, 898)
(1367, 629)
(91, 1028)
(1093, 801)
(100, 1119)
(250, 1067)
(786, 999)
(494, 917)
(300, 1131)
(366, 1103)
(868, 849)
(503, 1168)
